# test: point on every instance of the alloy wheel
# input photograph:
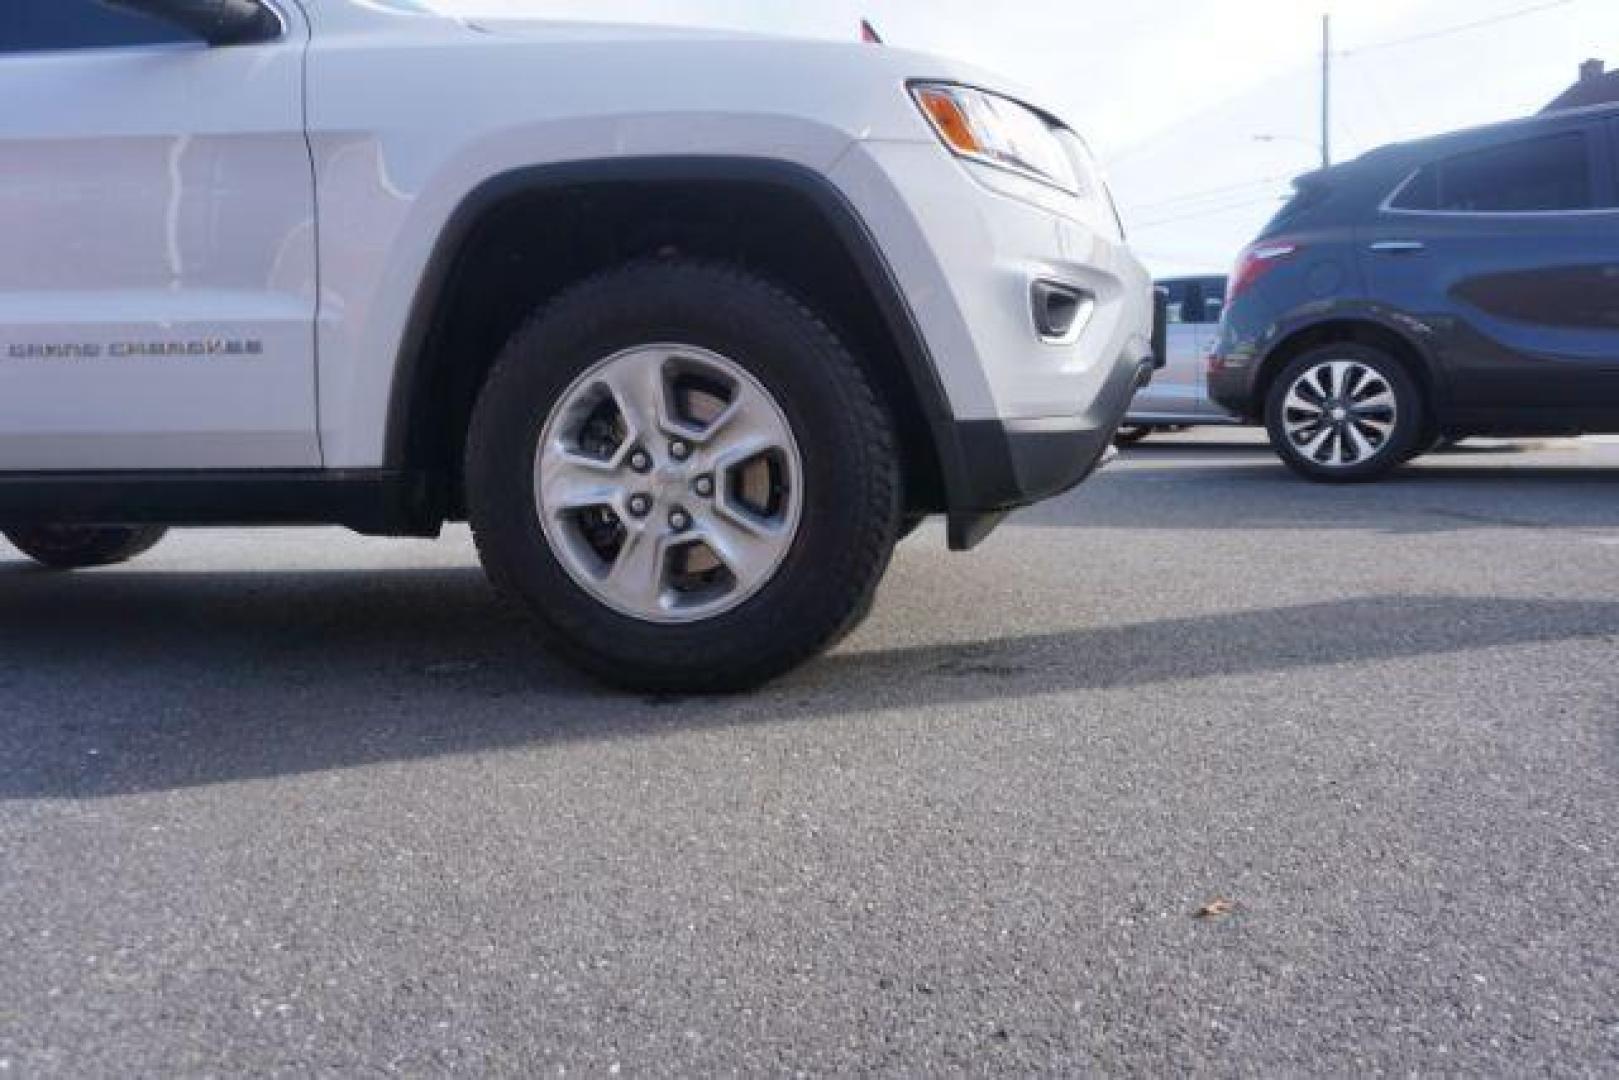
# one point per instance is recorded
(1340, 413)
(669, 483)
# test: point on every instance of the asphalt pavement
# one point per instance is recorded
(1198, 769)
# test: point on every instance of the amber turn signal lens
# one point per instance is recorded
(950, 118)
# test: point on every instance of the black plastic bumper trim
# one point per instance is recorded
(1016, 463)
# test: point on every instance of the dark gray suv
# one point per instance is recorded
(1463, 285)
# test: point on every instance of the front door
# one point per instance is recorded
(157, 282)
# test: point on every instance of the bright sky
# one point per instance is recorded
(1172, 93)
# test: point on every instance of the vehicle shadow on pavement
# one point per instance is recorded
(124, 683)
(1429, 498)
(1193, 450)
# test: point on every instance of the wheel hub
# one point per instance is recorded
(670, 483)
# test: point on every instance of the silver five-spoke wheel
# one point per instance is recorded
(1340, 413)
(669, 483)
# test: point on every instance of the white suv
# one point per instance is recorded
(689, 326)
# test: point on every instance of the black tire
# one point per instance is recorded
(851, 512)
(1432, 442)
(1402, 442)
(1131, 434)
(909, 525)
(81, 547)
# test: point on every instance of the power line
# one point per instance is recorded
(1201, 260)
(1152, 142)
(1208, 193)
(1214, 211)
(1448, 31)
(1369, 75)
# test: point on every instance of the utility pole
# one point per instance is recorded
(1326, 91)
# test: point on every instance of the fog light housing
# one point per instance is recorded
(1061, 312)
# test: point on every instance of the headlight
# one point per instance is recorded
(998, 131)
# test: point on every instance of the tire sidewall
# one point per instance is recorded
(92, 545)
(1410, 421)
(844, 506)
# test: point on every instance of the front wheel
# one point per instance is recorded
(1345, 414)
(80, 547)
(685, 476)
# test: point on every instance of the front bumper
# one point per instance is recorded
(1026, 413)
(1233, 390)
(1234, 367)
(1009, 464)
(966, 244)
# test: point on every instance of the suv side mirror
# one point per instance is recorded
(218, 22)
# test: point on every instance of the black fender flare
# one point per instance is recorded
(1411, 333)
(413, 369)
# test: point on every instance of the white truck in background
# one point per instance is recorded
(690, 326)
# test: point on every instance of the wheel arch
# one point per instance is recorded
(1359, 330)
(521, 237)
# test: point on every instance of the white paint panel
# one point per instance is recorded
(156, 200)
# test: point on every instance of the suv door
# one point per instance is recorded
(1509, 253)
(157, 205)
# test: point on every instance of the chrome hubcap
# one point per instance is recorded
(1340, 413)
(669, 483)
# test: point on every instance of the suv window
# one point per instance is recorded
(1176, 298)
(48, 25)
(1196, 301)
(1213, 299)
(1613, 152)
(1543, 175)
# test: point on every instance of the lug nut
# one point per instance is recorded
(680, 521)
(640, 505)
(641, 461)
(680, 451)
(704, 486)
